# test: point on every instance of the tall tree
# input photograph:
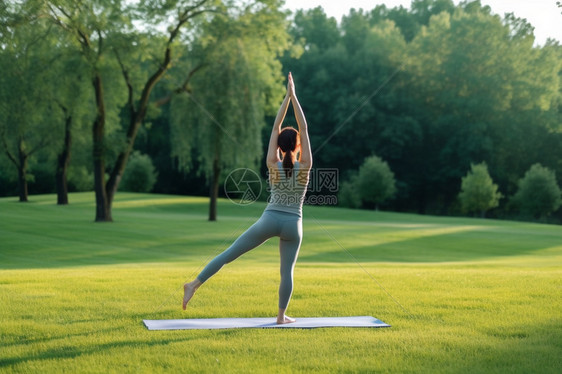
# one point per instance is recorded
(411, 21)
(105, 31)
(239, 82)
(28, 113)
(470, 72)
(72, 97)
(355, 27)
(316, 29)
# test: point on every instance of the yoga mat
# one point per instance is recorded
(244, 323)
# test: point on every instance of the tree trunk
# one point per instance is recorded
(103, 208)
(136, 118)
(22, 172)
(63, 160)
(214, 190)
(122, 158)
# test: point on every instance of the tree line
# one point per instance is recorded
(186, 91)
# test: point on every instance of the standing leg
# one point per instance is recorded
(265, 228)
(289, 246)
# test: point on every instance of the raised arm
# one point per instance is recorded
(306, 152)
(272, 152)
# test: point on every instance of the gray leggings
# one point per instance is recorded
(287, 226)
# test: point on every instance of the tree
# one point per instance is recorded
(348, 196)
(28, 114)
(472, 103)
(351, 88)
(55, 96)
(141, 175)
(478, 191)
(355, 27)
(105, 32)
(376, 182)
(430, 90)
(538, 194)
(72, 97)
(410, 22)
(239, 82)
(316, 28)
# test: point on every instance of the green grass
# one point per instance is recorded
(480, 296)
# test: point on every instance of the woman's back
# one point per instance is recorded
(287, 189)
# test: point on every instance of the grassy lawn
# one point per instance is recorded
(462, 295)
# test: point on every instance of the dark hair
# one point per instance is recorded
(287, 141)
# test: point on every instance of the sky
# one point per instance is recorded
(543, 15)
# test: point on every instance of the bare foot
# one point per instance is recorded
(189, 290)
(285, 319)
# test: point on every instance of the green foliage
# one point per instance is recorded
(238, 84)
(316, 29)
(469, 86)
(356, 28)
(79, 179)
(478, 191)
(8, 184)
(348, 194)
(27, 88)
(538, 194)
(140, 175)
(29, 114)
(375, 182)
(430, 89)
(477, 104)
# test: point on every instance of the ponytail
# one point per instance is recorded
(288, 163)
(287, 142)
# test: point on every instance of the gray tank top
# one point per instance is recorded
(287, 195)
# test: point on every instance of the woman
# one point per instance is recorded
(283, 215)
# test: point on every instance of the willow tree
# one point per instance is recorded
(240, 81)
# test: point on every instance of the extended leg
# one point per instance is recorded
(259, 232)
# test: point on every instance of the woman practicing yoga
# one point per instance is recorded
(282, 217)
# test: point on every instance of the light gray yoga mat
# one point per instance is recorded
(244, 323)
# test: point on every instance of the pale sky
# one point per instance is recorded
(543, 15)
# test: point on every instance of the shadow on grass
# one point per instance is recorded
(461, 245)
(533, 347)
(473, 243)
(530, 347)
(160, 228)
(70, 352)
